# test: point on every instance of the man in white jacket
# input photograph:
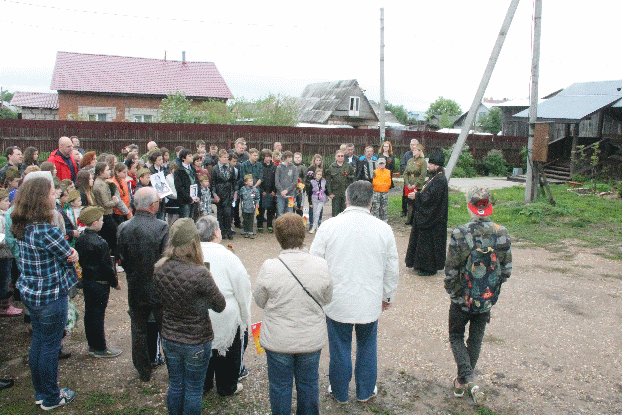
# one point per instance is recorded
(365, 279)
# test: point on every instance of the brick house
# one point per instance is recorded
(119, 88)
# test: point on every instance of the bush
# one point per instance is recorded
(464, 166)
(495, 164)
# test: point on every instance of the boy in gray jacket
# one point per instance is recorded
(286, 178)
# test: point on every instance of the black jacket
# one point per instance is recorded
(223, 185)
(268, 178)
(140, 244)
(182, 181)
(95, 258)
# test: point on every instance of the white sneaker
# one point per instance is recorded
(313, 230)
(119, 269)
(239, 388)
(373, 395)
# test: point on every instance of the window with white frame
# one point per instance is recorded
(143, 118)
(353, 108)
(97, 117)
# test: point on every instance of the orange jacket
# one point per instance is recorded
(124, 195)
(382, 180)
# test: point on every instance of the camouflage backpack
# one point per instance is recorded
(481, 275)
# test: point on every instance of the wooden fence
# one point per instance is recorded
(113, 136)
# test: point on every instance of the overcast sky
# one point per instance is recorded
(432, 48)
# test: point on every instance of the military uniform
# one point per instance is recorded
(338, 178)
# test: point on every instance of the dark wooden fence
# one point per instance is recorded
(113, 136)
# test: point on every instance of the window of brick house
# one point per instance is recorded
(143, 118)
(97, 117)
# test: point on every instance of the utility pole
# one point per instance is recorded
(531, 188)
(382, 93)
(471, 115)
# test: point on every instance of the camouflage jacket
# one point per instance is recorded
(338, 178)
(458, 253)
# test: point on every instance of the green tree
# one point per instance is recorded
(491, 122)
(5, 112)
(176, 108)
(400, 113)
(443, 108)
(273, 110)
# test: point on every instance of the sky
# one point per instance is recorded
(432, 48)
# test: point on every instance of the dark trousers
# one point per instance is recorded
(338, 204)
(235, 213)
(109, 233)
(466, 354)
(405, 200)
(223, 215)
(247, 221)
(139, 315)
(95, 302)
(225, 369)
(270, 212)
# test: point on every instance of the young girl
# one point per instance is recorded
(319, 197)
(6, 262)
(317, 163)
(11, 182)
(84, 185)
(74, 208)
(122, 211)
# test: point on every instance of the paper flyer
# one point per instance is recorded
(159, 182)
(255, 329)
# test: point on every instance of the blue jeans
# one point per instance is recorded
(340, 365)
(187, 365)
(185, 210)
(48, 322)
(282, 205)
(304, 369)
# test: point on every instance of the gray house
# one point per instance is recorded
(36, 105)
(336, 103)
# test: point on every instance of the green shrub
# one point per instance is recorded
(495, 164)
(465, 164)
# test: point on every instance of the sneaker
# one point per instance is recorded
(270, 229)
(243, 374)
(119, 269)
(458, 391)
(477, 395)
(246, 235)
(239, 388)
(107, 353)
(10, 311)
(335, 398)
(251, 236)
(7, 383)
(374, 393)
(260, 230)
(313, 230)
(66, 397)
(38, 399)
(158, 362)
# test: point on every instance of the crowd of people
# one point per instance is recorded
(78, 219)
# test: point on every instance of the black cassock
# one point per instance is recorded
(427, 243)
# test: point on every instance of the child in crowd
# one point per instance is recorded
(201, 146)
(268, 192)
(235, 210)
(205, 202)
(286, 179)
(298, 162)
(143, 179)
(72, 210)
(250, 202)
(11, 181)
(122, 211)
(50, 167)
(71, 233)
(6, 262)
(276, 157)
(382, 181)
(98, 276)
(319, 197)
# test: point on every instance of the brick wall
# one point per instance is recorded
(69, 103)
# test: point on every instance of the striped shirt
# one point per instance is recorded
(45, 273)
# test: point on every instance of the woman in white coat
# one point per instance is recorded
(292, 289)
(231, 325)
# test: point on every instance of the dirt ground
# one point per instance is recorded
(553, 346)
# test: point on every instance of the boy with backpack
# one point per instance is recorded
(479, 260)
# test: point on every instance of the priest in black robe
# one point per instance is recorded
(426, 252)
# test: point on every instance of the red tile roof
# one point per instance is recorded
(126, 75)
(35, 100)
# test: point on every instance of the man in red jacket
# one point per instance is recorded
(66, 167)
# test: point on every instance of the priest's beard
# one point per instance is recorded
(433, 172)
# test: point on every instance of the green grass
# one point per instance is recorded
(592, 221)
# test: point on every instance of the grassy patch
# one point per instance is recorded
(591, 221)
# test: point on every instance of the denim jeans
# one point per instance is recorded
(466, 355)
(95, 302)
(282, 205)
(187, 365)
(185, 210)
(340, 365)
(48, 322)
(304, 369)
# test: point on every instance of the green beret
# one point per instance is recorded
(182, 231)
(89, 215)
(73, 195)
(4, 193)
(12, 173)
(65, 183)
(57, 182)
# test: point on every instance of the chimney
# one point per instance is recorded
(183, 57)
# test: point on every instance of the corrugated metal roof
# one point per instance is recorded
(319, 100)
(127, 75)
(35, 100)
(578, 101)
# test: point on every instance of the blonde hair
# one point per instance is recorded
(189, 252)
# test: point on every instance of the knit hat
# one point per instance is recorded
(73, 195)
(479, 201)
(141, 172)
(91, 214)
(4, 193)
(182, 231)
(65, 183)
(248, 176)
(437, 158)
(12, 173)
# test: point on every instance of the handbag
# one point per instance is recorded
(297, 279)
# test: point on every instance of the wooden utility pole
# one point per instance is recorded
(382, 92)
(531, 173)
(471, 115)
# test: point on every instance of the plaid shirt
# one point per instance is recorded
(46, 275)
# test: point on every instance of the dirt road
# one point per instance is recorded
(553, 346)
